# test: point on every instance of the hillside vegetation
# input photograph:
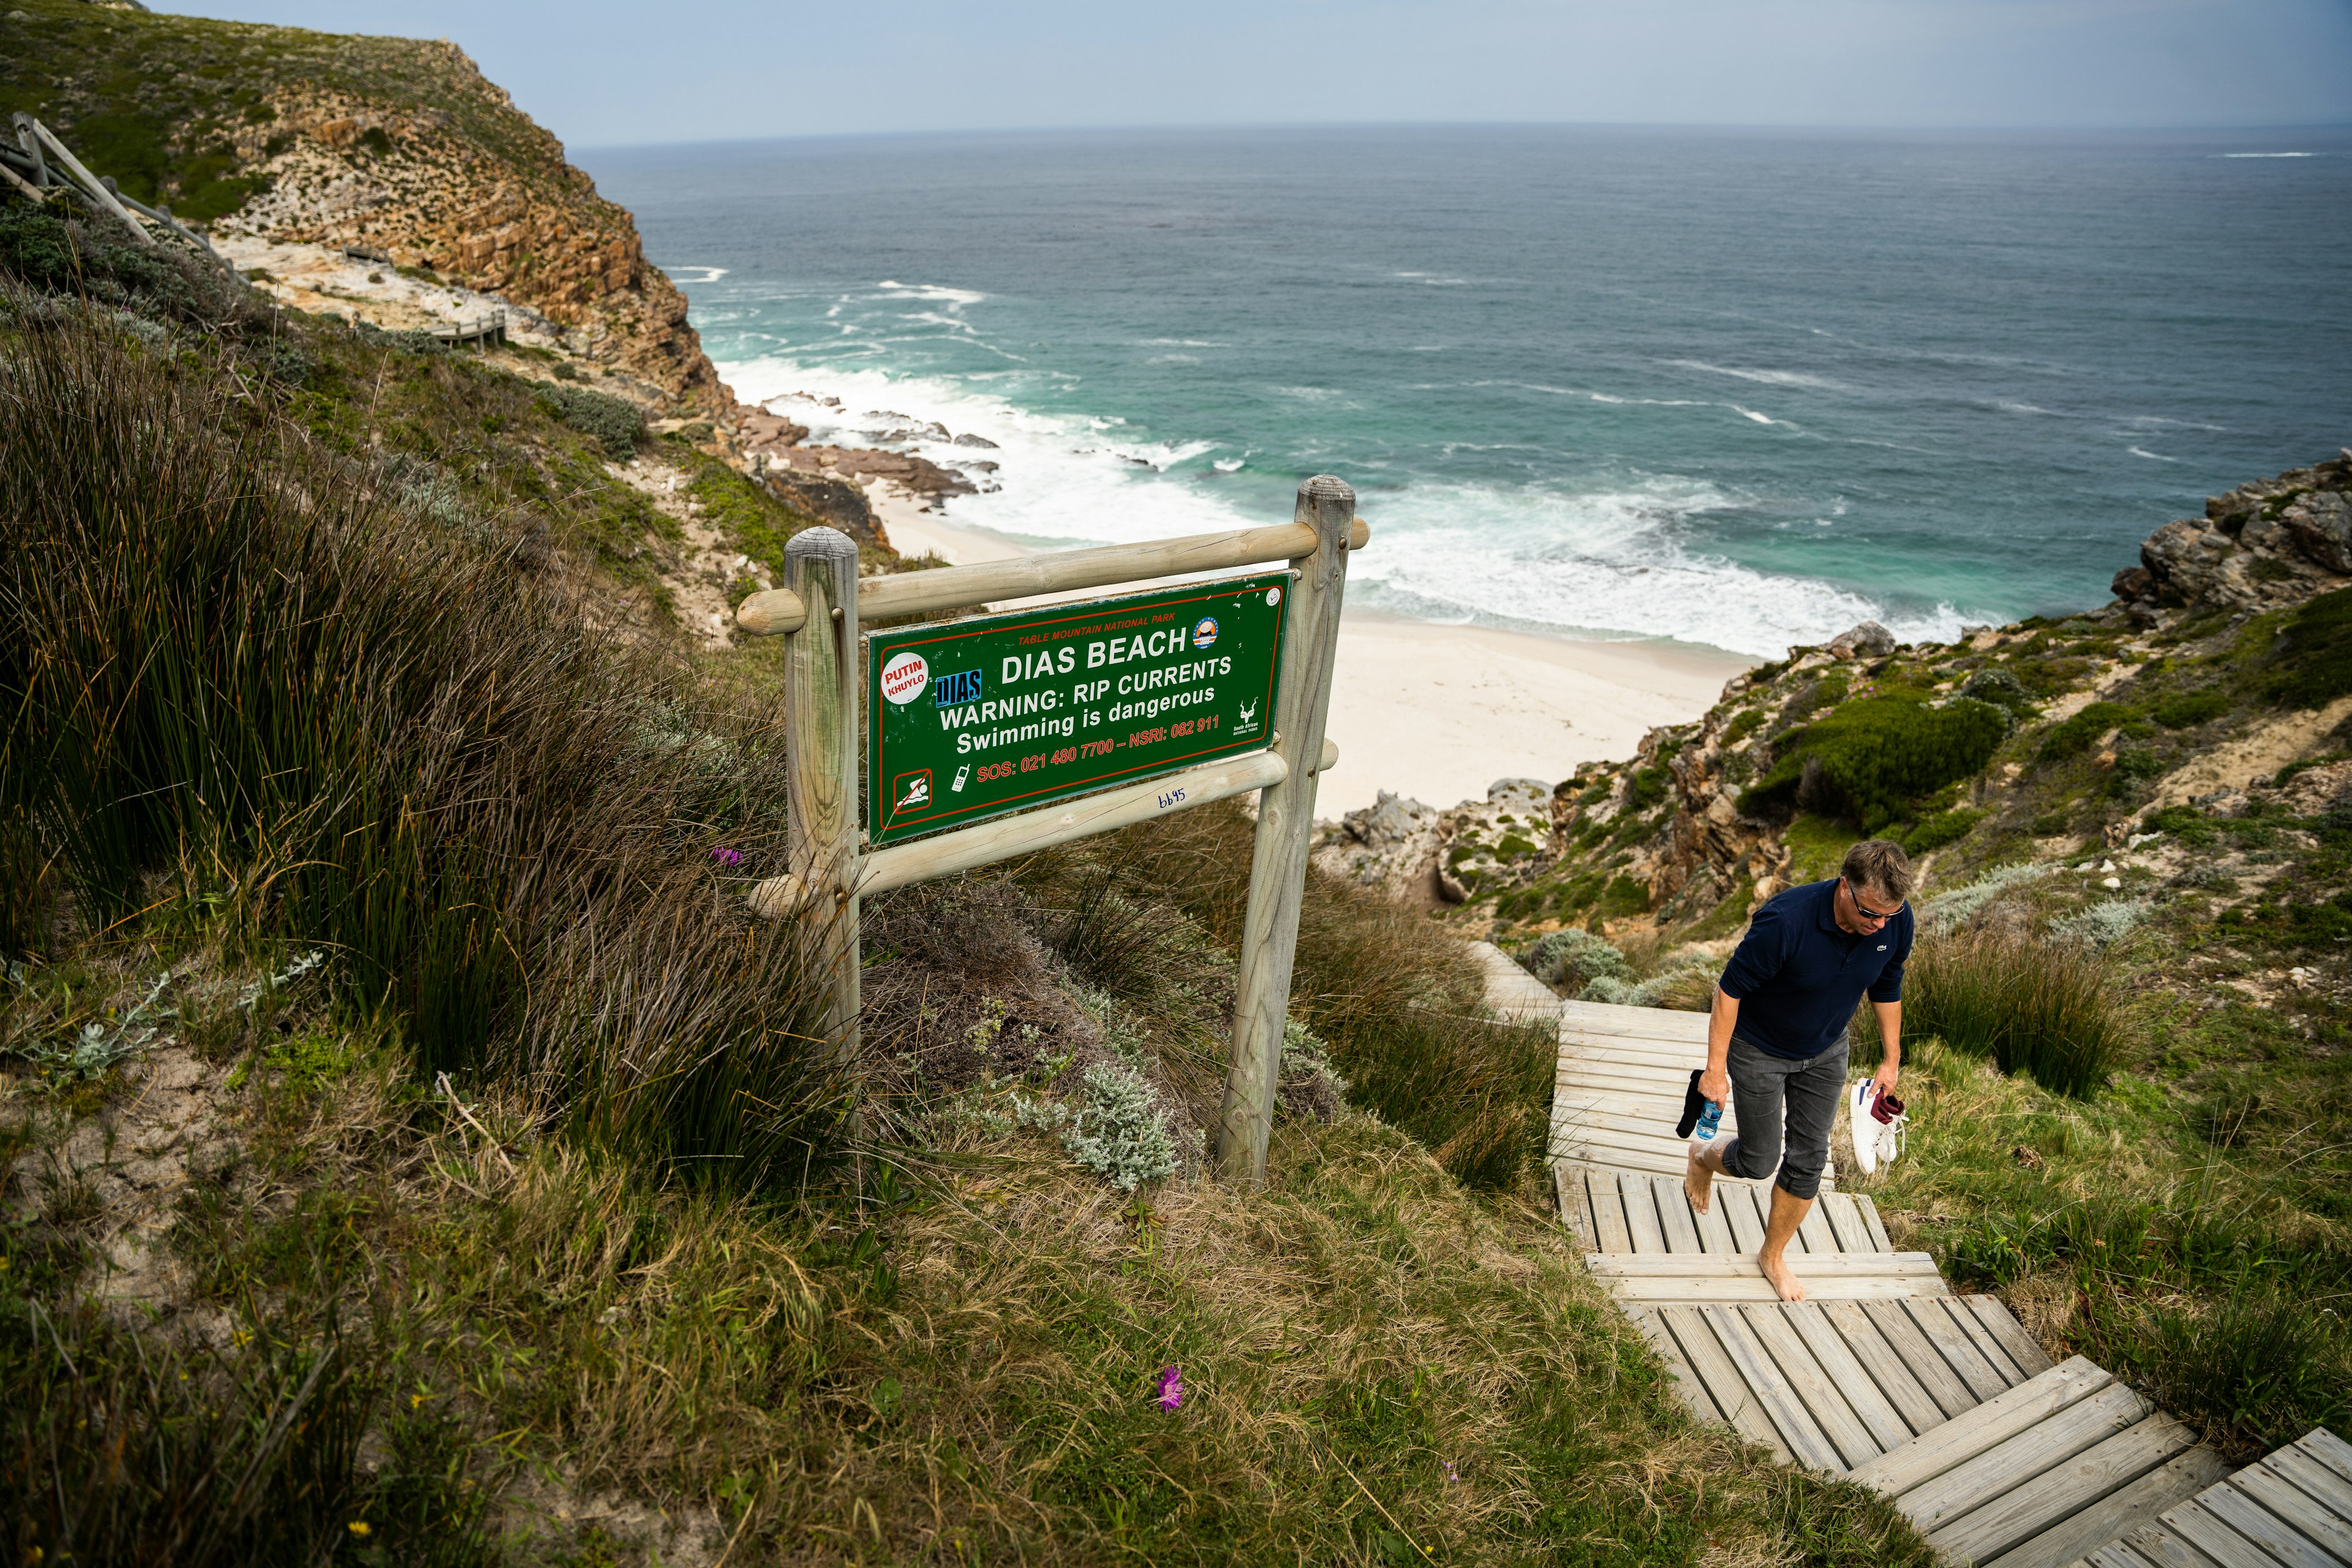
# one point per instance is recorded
(393, 143)
(416, 1154)
(2130, 1065)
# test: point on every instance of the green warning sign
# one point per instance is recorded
(974, 719)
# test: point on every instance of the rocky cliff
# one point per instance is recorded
(392, 144)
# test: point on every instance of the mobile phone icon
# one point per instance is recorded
(962, 773)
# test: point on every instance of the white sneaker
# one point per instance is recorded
(1860, 1128)
(1875, 1123)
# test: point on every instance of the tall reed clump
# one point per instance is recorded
(250, 667)
(1396, 1000)
(2034, 1007)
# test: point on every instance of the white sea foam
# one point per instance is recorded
(1610, 562)
(708, 274)
(1769, 377)
(2152, 457)
(2266, 155)
(1750, 412)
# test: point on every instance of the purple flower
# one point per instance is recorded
(1171, 1387)
(1449, 1471)
(728, 856)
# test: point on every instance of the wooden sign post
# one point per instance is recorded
(1286, 825)
(829, 867)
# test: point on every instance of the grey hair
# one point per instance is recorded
(1880, 865)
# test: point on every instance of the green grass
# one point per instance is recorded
(230, 663)
(2313, 663)
(2027, 1004)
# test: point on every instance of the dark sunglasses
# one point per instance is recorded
(1864, 911)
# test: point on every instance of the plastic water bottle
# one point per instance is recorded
(1710, 1119)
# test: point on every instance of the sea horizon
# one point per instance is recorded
(1738, 388)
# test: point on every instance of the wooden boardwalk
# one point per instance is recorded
(1943, 1401)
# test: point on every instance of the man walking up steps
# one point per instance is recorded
(1778, 1034)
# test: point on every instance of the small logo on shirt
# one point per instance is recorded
(1881, 947)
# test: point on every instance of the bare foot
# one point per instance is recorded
(1698, 1181)
(1784, 1279)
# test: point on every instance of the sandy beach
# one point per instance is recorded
(1439, 712)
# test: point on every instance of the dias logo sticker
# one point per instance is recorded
(904, 677)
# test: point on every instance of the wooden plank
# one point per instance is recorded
(1740, 1211)
(1660, 1156)
(1942, 1384)
(1758, 1290)
(2048, 1443)
(1575, 1205)
(1815, 1229)
(1601, 1117)
(2000, 1525)
(1959, 1353)
(1714, 1235)
(1641, 1214)
(1704, 1355)
(2329, 1489)
(2327, 1448)
(2167, 1548)
(1674, 1062)
(2116, 1555)
(1675, 1215)
(1732, 1266)
(1604, 1149)
(1053, 571)
(1845, 1223)
(1802, 1434)
(1645, 1084)
(2089, 1530)
(1688, 1385)
(1608, 1212)
(1991, 1311)
(1810, 1383)
(1973, 1326)
(1870, 1218)
(1846, 1374)
(1979, 1431)
(2266, 1530)
(2284, 1498)
(1610, 1019)
(2206, 1531)
(1655, 1112)
(1896, 1382)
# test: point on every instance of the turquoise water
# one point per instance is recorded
(1737, 388)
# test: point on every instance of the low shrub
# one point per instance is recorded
(2266, 1362)
(1944, 827)
(2188, 710)
(1867, 759)
(2032, 1006)
(2073, 737)
(2312, 666)
(614, 422)
(1572, 958)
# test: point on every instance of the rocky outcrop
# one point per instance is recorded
(2275, 541)
(486, 200)
(1390, 845)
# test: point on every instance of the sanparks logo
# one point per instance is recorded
(1048, 703)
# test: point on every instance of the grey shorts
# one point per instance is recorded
(1767, 1090)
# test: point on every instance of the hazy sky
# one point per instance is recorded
(599, 73)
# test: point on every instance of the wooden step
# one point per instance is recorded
(2048, 1443)
(2290, 1510)
(1710, 1277)
(1983, 1429)
(2000, 1524)
(1608, 1018)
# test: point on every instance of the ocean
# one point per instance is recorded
(1733, 388)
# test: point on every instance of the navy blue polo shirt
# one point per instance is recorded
(1797, 976)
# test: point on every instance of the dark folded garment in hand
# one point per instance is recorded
(1693, 1107)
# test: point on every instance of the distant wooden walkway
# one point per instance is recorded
(1943, 1401)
